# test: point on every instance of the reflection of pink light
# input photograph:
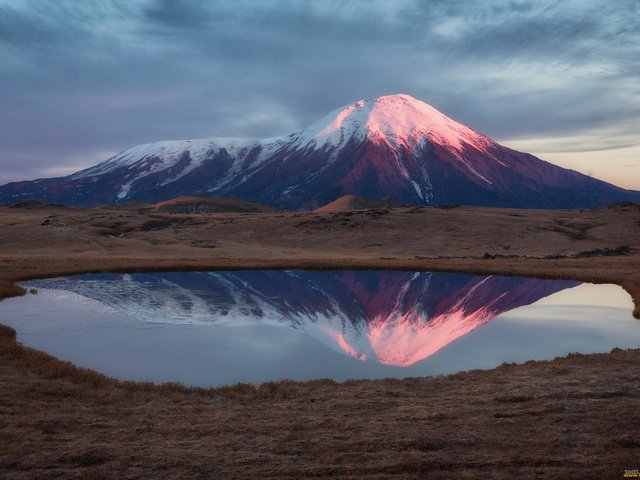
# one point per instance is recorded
(405, 340)
(342, 343)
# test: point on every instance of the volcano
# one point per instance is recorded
(393, 146)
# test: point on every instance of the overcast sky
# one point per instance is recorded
(80, 81)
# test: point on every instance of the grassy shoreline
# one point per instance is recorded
(574, 416)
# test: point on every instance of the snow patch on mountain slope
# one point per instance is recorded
(146, 159)
(124, 191)
(268, 148)
(168, 153)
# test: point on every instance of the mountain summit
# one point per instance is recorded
(398, 120)
(393, 146)
(403, 126)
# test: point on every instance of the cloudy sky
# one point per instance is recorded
(80, 81)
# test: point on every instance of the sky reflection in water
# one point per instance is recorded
(212, 328)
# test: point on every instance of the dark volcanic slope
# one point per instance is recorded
(394, 146)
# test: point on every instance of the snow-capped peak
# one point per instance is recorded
(397, 119)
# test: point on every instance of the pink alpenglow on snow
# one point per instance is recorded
(395, 119)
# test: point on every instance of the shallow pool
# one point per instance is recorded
(213, 328)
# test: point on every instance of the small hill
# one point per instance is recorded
(126, 206)
(36, 205)
(355, 202)
(207, 204)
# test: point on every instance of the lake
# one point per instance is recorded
(215, 328)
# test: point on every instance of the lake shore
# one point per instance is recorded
(568, 417)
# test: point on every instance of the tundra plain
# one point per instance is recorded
(571, 417)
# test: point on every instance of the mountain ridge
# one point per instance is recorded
(392, 146)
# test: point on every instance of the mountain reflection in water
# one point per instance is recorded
(394, 318)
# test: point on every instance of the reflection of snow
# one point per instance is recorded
(395, 318)
(78, 300)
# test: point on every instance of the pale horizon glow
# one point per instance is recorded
(619, 166)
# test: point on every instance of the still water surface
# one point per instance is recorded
(214, 328)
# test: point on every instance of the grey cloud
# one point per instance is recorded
(177, 13)
(100, 76)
